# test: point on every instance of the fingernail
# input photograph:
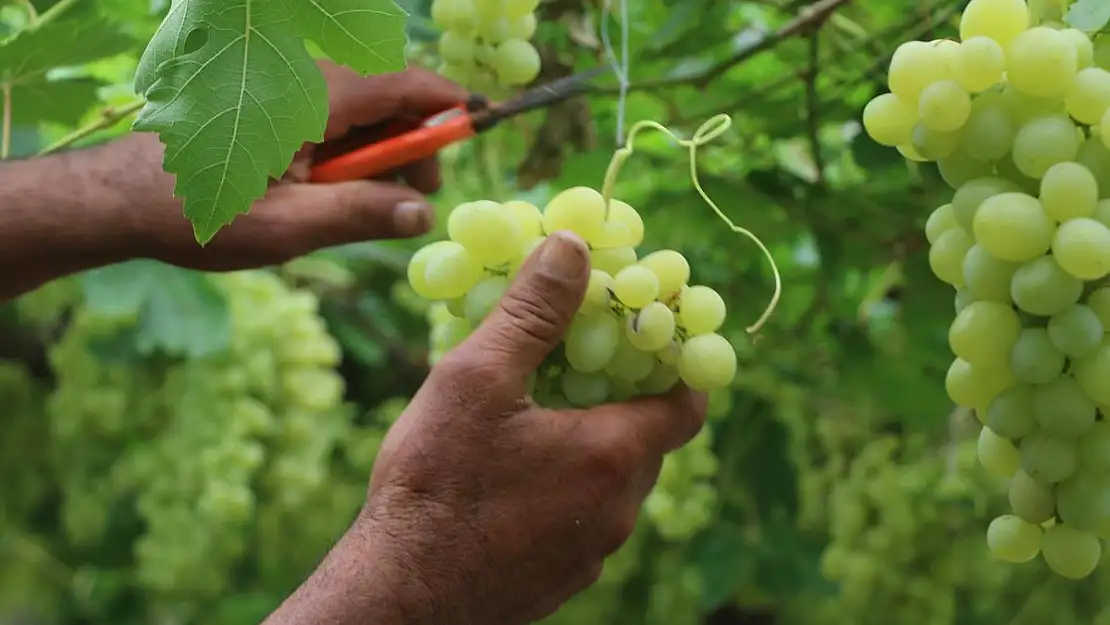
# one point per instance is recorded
(563, 254)
(411, 218)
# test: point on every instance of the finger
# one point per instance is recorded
(655, 425)
(358, 101)
(535, 312)
(422, 175)
(359, 210)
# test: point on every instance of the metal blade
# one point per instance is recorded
(546, 95)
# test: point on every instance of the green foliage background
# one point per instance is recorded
(847, 487)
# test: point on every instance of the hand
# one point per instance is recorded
(296, 217)
(485, 508)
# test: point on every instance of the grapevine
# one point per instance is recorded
(1017, 116)
(640, 328)
(485, 43)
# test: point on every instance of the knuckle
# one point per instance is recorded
(469, 372)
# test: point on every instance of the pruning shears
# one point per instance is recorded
(378, 149)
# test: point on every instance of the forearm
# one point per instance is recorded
(79, 210)
(356, 584)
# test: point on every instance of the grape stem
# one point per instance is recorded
(714, 127)
(6, 120)
(108, 118)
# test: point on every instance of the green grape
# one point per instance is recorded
(968, 198)
(701, 310)
(1062, 409)
(584, 389)
(1069, 190)
(990, 128)
(528, 217)
(941, 220)
(1048, 459)
(944, 106)
(974, 386)
(1082, 248)
(978, 64)
(1043, 142)
(946, 256)
(516, 62)
(580, 210)
(889, 120)
(963, 299)
(612, 260)
(630, 363)
(1076, 331)
(456, 15)
(1070, 552)
(1042, 62)
(960, 168)
(986, 277)
(914, 66)
(591, 341)
(1084, 47)
(1031, 500)
(984, 332)
(636, 286)
(633, 225)
(1094, 448)
(652, 327)
(522, 27)
(418, 265)
(483, 298)
(1006, 169)
(1013, 540)
(909, 152)
(1088, 98)
(598, 293)
(671, 268)
(934, 145)
(708, 362)
(662, 378)
(1092, 373)
(1083, 500)
(1102, 213)
(1010, 414)
(1024, 107)
(450, 272)
(1042, 287)
(1099, 302)
(996, 454)
(520, 8)
(1013, 227)
(1001, 20)
(489, 232)
(1096, 157)
(456, 48)
(1034, 358)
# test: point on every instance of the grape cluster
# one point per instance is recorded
(684, 499)
(485, 43)
(209, 450)
(640, 327)
(1017, 116)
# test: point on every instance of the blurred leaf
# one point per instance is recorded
(1089, 16)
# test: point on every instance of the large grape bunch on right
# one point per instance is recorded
(1017, 116)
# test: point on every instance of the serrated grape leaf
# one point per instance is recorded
(1089, 16)
(233, 108)
(178, 312)
(366, 35)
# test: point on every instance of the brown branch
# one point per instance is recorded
(808, 17)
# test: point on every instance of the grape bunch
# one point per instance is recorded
(485, 43)
(1017, 115)
(640, 327)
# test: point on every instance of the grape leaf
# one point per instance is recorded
(73, 33)
(179, 312)
(1089, 16)
(237, 98)
(366, 35)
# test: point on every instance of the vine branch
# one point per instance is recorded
(6, 121)
(108, 118)
(809, 16)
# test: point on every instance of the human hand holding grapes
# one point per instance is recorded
(483, 507)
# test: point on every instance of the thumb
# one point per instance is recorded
(361, 210)
(538, 307)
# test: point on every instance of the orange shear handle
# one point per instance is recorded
(376, 159)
